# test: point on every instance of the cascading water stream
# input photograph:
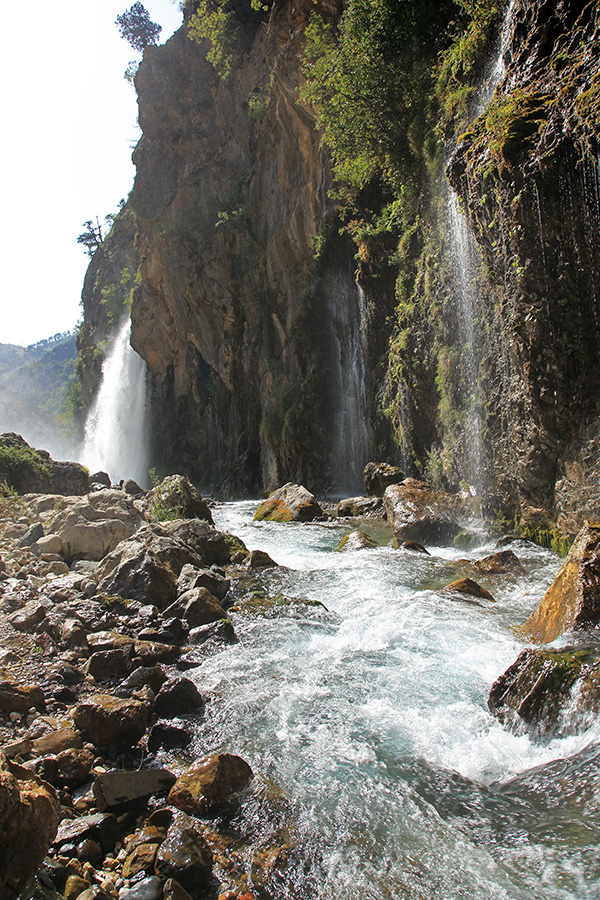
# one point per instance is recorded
(115, 439)
(368, 719)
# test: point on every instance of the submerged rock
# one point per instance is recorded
(470, 588)
(292, 502)
(357, 540)
(572, 602)
(504, 562)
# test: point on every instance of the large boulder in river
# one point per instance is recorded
(31, 471)
(572, 602)
(29, 811)
(177, 498)
(552, 691)
(94, 525)
(292, 502)
(210, 783)
(379, 476)
(418, 512)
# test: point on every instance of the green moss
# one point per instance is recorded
(551, 538)
(273, 511)
(15, 461)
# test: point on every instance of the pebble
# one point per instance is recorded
(146, 889)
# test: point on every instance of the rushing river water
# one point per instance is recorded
(370, 718)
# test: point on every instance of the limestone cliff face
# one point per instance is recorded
(233, 316)
(528, 172)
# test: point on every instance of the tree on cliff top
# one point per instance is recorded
(137, 27)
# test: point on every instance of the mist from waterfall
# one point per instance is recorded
(115, 439)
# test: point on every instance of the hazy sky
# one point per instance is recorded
(69, 125)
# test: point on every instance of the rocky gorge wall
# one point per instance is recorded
(248, 312)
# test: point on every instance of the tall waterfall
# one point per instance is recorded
(351, 431)
(115, 430)
(466, 269)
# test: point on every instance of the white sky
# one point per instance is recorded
(68, 132)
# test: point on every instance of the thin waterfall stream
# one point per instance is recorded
(115, 438)
(359, 694)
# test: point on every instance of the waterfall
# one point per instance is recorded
(115, 429)
(351, 432)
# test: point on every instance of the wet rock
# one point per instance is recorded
(73, 633)
(417, 512)
(470, 588)
(32, 614)
(555, 691)
(90, 851)
(176, 697)
(101, 827)
(110, 720)
(29, 811)
(75, 886)
(259, 559)
(17, 697)
(114, 788)
(357, 540)
(414, 547)
(168, 737)
(174, 891)
(292, 502)
(151, 652)
(197, 606)
(378, 476)
(360, 506)
(64, 738)
(572, 602)
(210, 783)
(185, 856)
(147, 889)
(221, 632)
(504, 562)
(141, 859)
(190, 577)
(176, 495)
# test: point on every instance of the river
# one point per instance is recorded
(366, 718)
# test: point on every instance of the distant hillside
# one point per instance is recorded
(34, 384)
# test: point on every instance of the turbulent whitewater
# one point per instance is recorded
(369, 719)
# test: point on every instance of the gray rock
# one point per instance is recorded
(150, 888)
(35, 533)
(114, 788)
(190, 577)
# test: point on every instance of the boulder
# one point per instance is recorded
(292, 502)
(360, 506)
(138, 575)
(259, 559)
(176, 697)
(211, 547)
(210, 783)
(197, 606)
(168, 736)
(107, 720)
(191, 577)
(176, 497)
(572, 602)
(470, 588)
(185, 857)
(29, 811)
(74, 767)
(107, 664)
(418, 512)
(114, 788)
(378, 476)
(94, 525)
(553, 691)
(503, 562)
(357, 540)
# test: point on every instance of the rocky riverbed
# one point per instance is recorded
(110, 600)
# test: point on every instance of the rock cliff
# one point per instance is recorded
(274, 355)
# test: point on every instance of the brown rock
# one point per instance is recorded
(357, 540)
(174, 891)
(572, 601)
(109, 664)
(74, 767)
(177, 697)
(292, 502)
(260, 559)
(29, 810)
(470, 588)
(197, 606)
(210, 783)
(378, 476)
(502, 563)
(141, 859)
(64, 738)
(111, 720)
(184, 856)
(15, 697)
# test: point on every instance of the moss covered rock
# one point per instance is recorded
(292, 502)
